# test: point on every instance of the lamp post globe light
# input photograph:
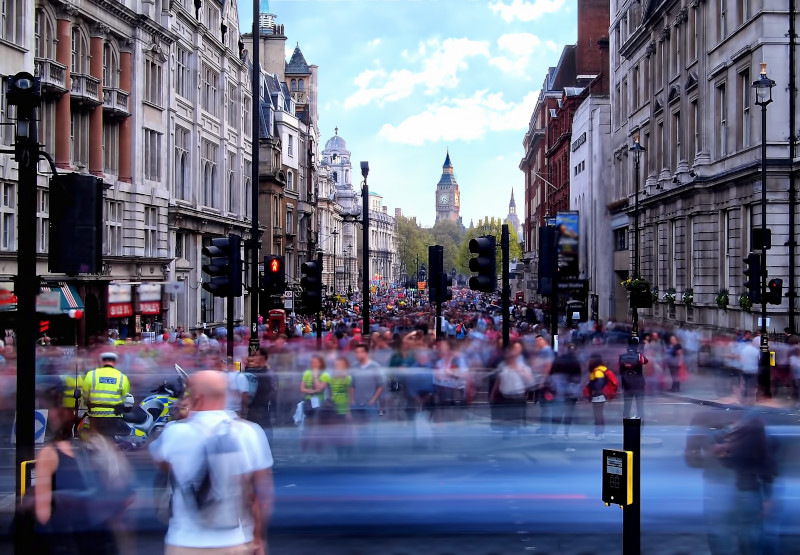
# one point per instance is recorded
(637, 149)
(763, 92)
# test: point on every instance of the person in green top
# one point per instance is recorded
(341, 384)
(315, 381)
(314, 385)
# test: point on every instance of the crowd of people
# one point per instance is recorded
(396, 370)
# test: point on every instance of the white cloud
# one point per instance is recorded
(462, 119)
(375, 42)
(525, 10)
(517, 50)
(440, 62)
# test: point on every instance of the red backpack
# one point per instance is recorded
(612, 385)
(609, 390)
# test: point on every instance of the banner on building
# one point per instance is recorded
(568, 241)
(149, 298)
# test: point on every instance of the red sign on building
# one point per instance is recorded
(150, 307)
(120, 310)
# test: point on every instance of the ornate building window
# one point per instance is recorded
(183, 73)
(42, 220)
(110, 147)
(112, 236)
(150, 230)
(248, 191)
(152, 155)
(80, 51)
(233, 206)
(110, 66)
(12, 20)
(208, 168)
(182, 183)
(79, 138)
(8, 226)
(209, 99)
(153, 84)
(44, 34)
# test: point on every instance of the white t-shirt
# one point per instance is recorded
(237, 385)
(181, 446)
(749, 356)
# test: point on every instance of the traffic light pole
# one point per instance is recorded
(632, 514)
(506, 295)
(365, 254)
(255, 134)
(26, 288)
(319, 312)
(229, 308)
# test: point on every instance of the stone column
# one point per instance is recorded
(98, 35)
(125, 61)
(63, 109)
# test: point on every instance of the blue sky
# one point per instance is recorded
(406, 79)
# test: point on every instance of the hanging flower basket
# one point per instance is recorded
(670, 296)
(639, 289)
(744, 302)
(688, 296)
(655, 294)
(723, 300)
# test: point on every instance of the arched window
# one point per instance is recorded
(110, 66)
(44, 28)
(80, 51)
(294, 84)
(300, 85)
(336, 177)
(12, 21)
(231, 193)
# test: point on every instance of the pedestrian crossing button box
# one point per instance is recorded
(617, 477)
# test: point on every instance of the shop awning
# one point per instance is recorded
(69, 299)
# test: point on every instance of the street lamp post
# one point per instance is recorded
(365, 254)
(334, 233)
(637, 150)
(763, 90)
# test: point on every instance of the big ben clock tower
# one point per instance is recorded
(448, 198)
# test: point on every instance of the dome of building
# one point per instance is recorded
(336, 143)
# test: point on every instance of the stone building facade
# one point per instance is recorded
(681, 80)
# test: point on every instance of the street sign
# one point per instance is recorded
(39, 426)
(175, 287)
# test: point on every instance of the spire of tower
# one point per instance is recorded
(266, 19)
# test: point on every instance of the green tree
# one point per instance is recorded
(492, 226)
(412, 242)
(449, 234)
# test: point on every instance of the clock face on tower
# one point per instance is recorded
(444, 199)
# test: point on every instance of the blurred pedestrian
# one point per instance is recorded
(238, 389)
(314, 385)
(631, 371)
(510, 388)
(597, 381)
(221, 469)
(675, 364)
(565, 381)
(739, 468)
(264, 401)
(82, 488)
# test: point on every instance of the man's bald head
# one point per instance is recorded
(207, 388)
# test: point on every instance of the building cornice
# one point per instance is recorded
(126, 15)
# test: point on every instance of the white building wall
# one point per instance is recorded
(590, 172)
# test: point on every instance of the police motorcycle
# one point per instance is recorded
(145, 421)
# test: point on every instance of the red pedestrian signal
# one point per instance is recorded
(274, 280)
(275, 266)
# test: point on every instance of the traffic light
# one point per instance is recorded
(76, 224)
(436, 264)
(311, 283)
(224, 269)
(445, 291)
(774, 291)
(274, 281)
(485, 264)
(753, 272)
